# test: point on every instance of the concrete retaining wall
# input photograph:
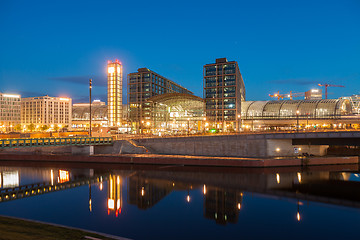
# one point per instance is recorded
(229, 146)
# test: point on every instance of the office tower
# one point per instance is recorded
(114, 93)
(142, 85)
(224, 90)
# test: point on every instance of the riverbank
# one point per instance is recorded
(158, 159)
(15, 228)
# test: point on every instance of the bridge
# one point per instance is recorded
(43, 142)
(275, 144)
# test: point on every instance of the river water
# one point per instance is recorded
(176, 202)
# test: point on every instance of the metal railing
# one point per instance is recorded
(42, 142)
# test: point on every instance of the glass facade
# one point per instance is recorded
(177, 113)
(291, 109)
(114, 93)
(142, 85)
(224, 90)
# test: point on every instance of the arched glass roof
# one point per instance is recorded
(324, 108)
(255, 109)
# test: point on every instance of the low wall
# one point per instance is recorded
(229, 146)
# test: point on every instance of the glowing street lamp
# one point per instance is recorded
(90, 86)
(297, 120)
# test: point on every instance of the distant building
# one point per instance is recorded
(46, 110)
(81, 114)
(224, 90)
(115, 84)
(9, 111)
(142, 85)
(313, 94)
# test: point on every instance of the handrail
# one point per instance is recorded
(37, 142)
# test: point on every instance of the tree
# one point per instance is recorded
(31, 127)
(56, 127)
(44, 127)
(17, 128)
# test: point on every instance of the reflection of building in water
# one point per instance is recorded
(222, 205)
(114, 201)
(145, 193)
(9, 179)
(63, 176)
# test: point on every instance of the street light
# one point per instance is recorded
(90, 86)
(188, 132)
(297, 120)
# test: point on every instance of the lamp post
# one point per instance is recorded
(90, 86)
(297, 120)
(239, 122)
(188, 123)
(307, 121)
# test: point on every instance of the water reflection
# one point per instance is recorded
(223, 190)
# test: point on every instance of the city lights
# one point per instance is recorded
(299, 177)
(11, 95)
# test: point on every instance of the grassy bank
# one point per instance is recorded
(12, 228)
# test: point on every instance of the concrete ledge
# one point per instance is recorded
(182, 160)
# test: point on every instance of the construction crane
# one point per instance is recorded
(326, 85)
(300, 94)
(278, 95)
(287, 95)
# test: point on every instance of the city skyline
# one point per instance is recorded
(282, 47)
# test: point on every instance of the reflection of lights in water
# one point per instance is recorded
(239, 206)
(356, 175)
(298, 210)
(63, 176)
(114, 194)
(111, 204)
(204, 191)
(52, 176)
(11, 179)
(90, 207)
(188, 198)
(277, 178)
(142, 191)
(299, 177)
(101, 186)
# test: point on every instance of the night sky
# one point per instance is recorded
(54, 47)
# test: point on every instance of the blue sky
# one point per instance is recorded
(53, 47)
